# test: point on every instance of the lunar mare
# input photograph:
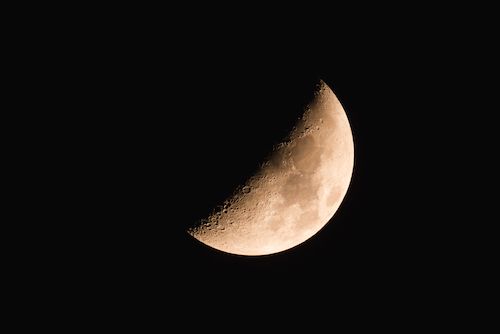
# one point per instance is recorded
(296, 191)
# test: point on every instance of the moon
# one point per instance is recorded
(296, 190)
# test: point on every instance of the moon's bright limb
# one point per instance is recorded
(295, 192)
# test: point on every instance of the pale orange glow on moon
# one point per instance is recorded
(295, 192)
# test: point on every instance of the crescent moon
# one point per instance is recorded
(296, 191)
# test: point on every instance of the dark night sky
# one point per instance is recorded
(150, 117)
(188, 133)
(191, 120)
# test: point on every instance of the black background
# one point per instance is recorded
(169, 119)
(134, 122)
(186, 130)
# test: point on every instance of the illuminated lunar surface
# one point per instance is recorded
(296, 191)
